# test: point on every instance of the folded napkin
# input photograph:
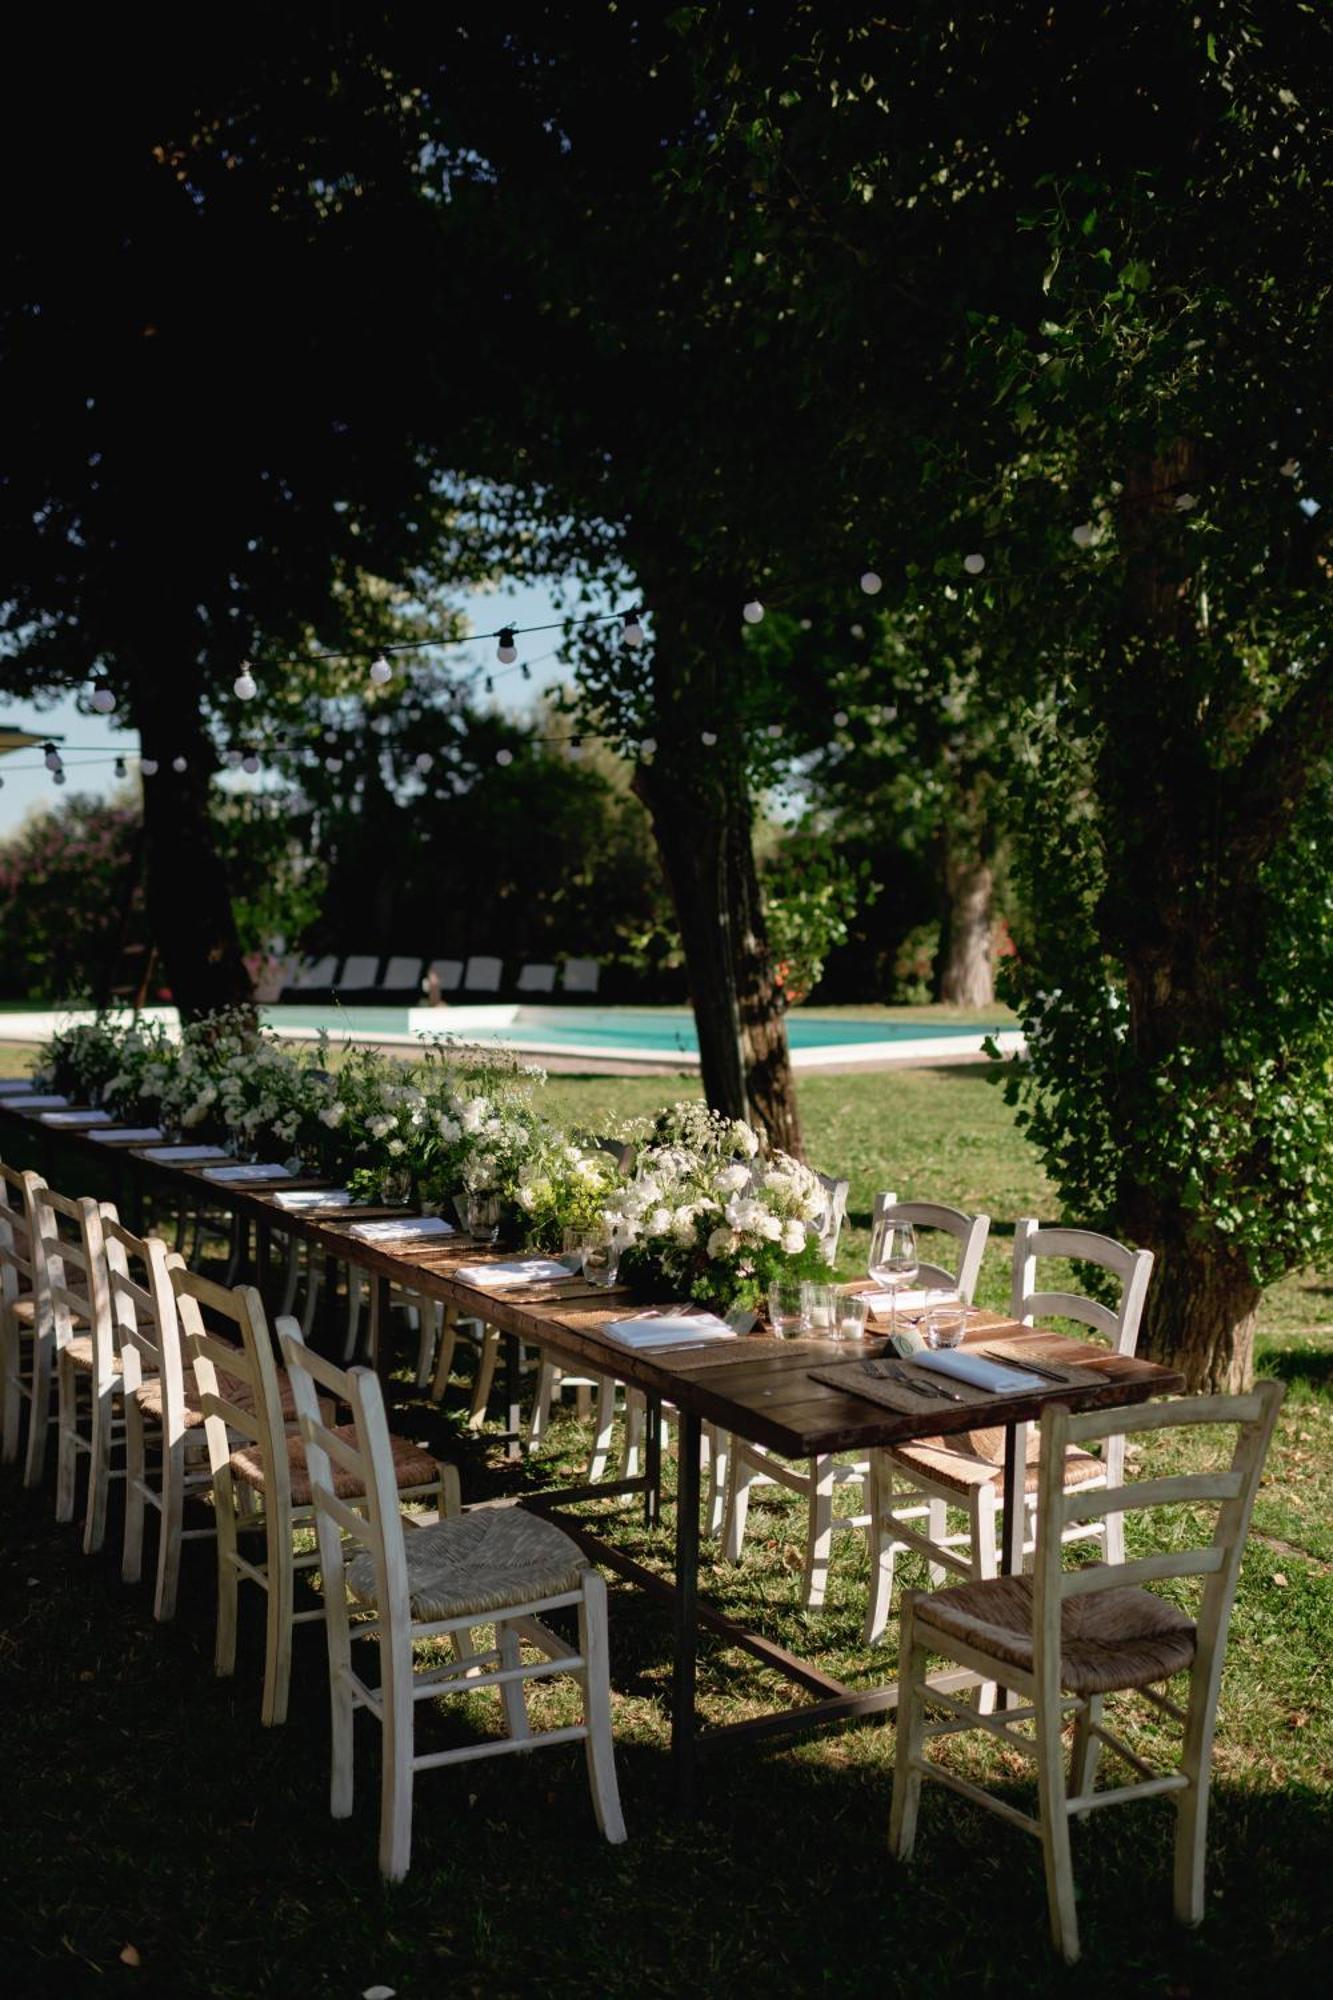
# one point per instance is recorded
(528, 1271)
(71, 1119)
(410, 1229)
(668, 1330)
(253, 1170)
(140, 1132)
(974, 1368)
(179, 1156)
(36, 1103)
(299, 1198)
(15, 1086)
(881, 1302)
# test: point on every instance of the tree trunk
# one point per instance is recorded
(967, 971)
(698, 800)
(189, 909)
(1200, 1313)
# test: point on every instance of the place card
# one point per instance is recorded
(411, 1229)
(527, 1271)
(72, 1121)
(124, 1135)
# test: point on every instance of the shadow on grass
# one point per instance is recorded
(1311, 1366)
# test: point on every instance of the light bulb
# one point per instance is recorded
(250, 762)
(148, 767)
(752, 612)
(840, 718)
(648, 746)
(633, 632)
(245, 687)
(58, 776)
(774, 730)
(424, 760)
(103, 700)
(489, 685)
(974, 564)
(576, 747)
(51, 757)
(807, 624)
(119, 767)
(1082, 535)
(525, 671)
(333, 764)
(380, 670)
(232, 760)
(506, 652)
(180, 764)
(872, 583)
(708, 737)
(504, 756)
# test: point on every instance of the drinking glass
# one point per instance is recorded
(786, 1307)
(946, 1323)
(850, 1323)
(483, 1217)
(819, 1304)
(574, 1247)
(601, 1260)
(893, 1260)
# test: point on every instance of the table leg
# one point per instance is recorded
(328, 1309)
(381, 1345)
(513, 1449)
(652, 1460)
(263, 1251)
(1015, 1518)
(683, 1673)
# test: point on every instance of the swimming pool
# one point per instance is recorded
(638, 1035)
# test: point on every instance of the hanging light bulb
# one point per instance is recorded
(50, 756)
(506, 652)
(840, 718)
(708, 737)
(245, 687)
(576, 747)
(807, 624)
(148, 767)
(1082, 535)
(232, 760)
(872, 583)
(648, 746)
(524, 671)
(119, 768)
(752, 612)
(489, 685)
(774, 730)
(424, 760)
(504, 756)
(250, 762)
(333, 764)
(380, 670)
(179, 764)
(633, 630)
(974, 564)
(103, 700)
(58, 775)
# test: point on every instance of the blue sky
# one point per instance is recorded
(91, 766)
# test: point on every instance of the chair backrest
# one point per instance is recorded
(17, 1277)
(447, 973)
(581, 975)
(834, 1215)
(359, 970)
(400, 972)
(1133, 1268)
(68, 1245)
(237, 1385)
(968, 1231)
(537, 979)
(143, 1314)
(1231, 1491)
(483, 975)
(316, 972)
(375, 1523)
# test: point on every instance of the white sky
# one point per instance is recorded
(25, 782)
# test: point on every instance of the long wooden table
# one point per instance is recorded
(763, 1392)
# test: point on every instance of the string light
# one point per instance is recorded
(872, 583)
(840, 718)
(250, 762)
(380, 670)
(489, 684)
(648, 747)
(424, 760)
(1082, 535)
(774, 730)
(58, 775)
(148, 767)
(576, 747)
(333, 764)
(752, 612)
(50, 756)
(179, 764)
(120, 770)
(633, 632)
(504, 757)
(708, 737)
(974, 564)
(506, 652)
(103, 699)
(232, 760)
(245, 687)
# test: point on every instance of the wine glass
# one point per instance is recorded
(893, 1260)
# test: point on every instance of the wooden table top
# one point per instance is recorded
(761, 1389)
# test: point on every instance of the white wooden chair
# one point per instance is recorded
(482, 975)
(817, 1481)
(497, 1566)
(70, 1256)
(923, 1481)
(534, 978)
(21, 1324)
(240, 1397)
(1063, 1639)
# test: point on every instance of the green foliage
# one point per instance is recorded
(62, 886)
(811, 896)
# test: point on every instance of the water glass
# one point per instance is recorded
(851, 1317)
(574, 1245)
(945, 1324)
(819, 1304)
(482, 1217)
(786, 1307)
(601, 1260)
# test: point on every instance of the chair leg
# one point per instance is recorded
(600, 1455)
(596, 1677)
(911, 1739)
(99, 1467)
(355, 1294)
(314, 1279)
(396, 1772)
(938, 1517)
(170, 1530)
(485, 1376)
(39, 1408)
(511, 1692)
(131, 1546)
(67, 1436)
(719, 1469)
(1192, 1807)
(429, 1312)
(884, 1547)
(224, 1509)
(291, 1274)
(739, 1481)
(1087, 1748)
(548, 1381)
(278, 1625)
(985, 1526)
(1055, 1830)
(634, 1414)
(11, 1368)
(341, 1708)
(819, 1532)
(444, 1355)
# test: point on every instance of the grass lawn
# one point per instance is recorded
(147, 1808)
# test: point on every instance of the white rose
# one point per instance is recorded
(793, 1238)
